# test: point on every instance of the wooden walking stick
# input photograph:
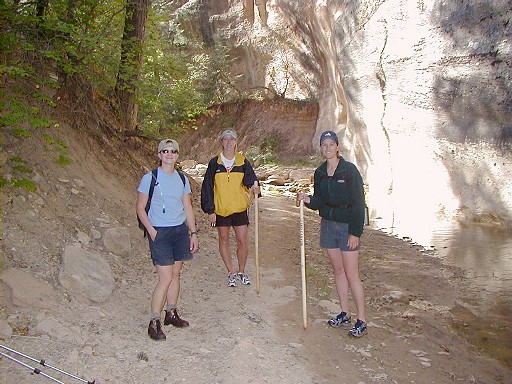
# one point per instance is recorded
(256, 240)
(303, 261)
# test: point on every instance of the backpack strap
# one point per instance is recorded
(154, 174)
(182, 177)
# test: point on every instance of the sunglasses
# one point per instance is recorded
(166, 151)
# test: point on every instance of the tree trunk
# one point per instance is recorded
(41, 6)
(131, 60)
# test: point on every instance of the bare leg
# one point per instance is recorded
(174, 287)
(336, 258)
(242, 250)
(159, 294)
(224, 249)
(351, 264)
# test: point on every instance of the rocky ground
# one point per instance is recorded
(239, 335)
(417, 305)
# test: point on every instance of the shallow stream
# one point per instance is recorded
(483, 252)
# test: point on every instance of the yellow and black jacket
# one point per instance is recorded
(223, 192)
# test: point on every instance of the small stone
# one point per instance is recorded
(142, 356)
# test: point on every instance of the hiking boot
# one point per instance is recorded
(359, 329)
(343, 319)
(232, 280)
(244, 279)
(155, 330)
(172, 317)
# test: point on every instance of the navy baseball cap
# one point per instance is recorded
(328, 135)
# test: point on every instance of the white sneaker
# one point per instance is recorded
(232, 280)
(244, 279)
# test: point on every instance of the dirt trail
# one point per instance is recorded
(237, 335)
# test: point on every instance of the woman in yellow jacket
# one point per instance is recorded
(225, 197)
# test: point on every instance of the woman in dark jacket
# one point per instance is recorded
(339, 198)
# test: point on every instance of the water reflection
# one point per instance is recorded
(483, 252)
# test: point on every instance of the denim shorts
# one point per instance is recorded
(171, 244)
(334, 235)
(233, 220)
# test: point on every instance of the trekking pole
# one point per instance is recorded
(256, 240)
(35, 370)
(303, 262)
(43, 363)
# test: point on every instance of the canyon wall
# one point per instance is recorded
(419, 91)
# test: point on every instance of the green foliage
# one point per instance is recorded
(78, 37)
(216, 84)
(14, 117)
(180, 77)
(3, 182)
(20, 132)
(26, 184)
(63, 160)
(22, 168)
(269, 144)
(260, 157)
(170, 97)
(13, 71)
(60, 146)
(40, 122)
(265, 153)
(48, 138)
(17, 160)
(309, 162)
(17, 115)
(19, 169)
(44, 98)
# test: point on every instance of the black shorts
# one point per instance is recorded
(233, 220)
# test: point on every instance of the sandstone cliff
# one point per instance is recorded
(419, 91)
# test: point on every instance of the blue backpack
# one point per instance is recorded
(154, 172)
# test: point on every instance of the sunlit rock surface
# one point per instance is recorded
(419, 91)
